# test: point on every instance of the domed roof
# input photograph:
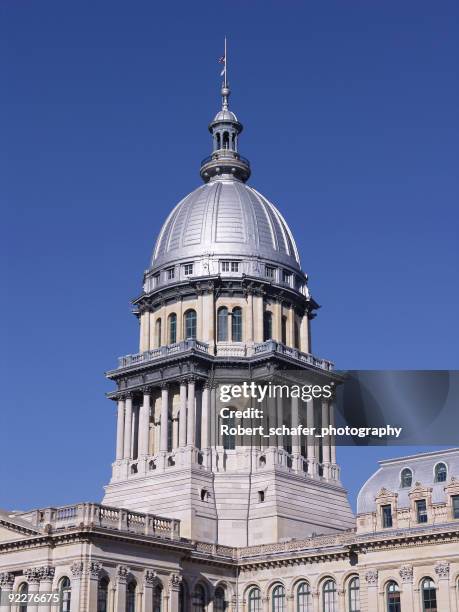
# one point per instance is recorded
(229, 218)
(225, 115)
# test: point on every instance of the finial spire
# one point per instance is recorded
(224, 74)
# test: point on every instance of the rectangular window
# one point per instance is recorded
(455, 502)
(386, 516)
(229, 266)
(270, 272)
(286, 277)
(156, 280)
(421, 511)
(188, 269)
(170, 273)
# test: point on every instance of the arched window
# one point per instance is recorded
(267, 326)
(190, 325)
(278, 599)
(198, 600)
(254, 600)
(218, 140)
(284, 330)
(102, 594)
(406, 478)
(23, 590)
(158, 332)
(157, 598)
(304, 597)
(65, 593)
(172, 328)
(236, 324)
(225, 140)
(429, 595)
(182, 598)
(440, 472)
(222, 324)
(130, 596)
(393, 597)
(354, 594)
(219, 600)
(329, 596)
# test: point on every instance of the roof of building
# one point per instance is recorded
(422, 466)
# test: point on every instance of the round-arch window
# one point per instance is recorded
(440, 472)
(190, 325)
(157, 598)
(198, 600)
(65, 593)
(102, 595)
(23, 590)
(236, 324)
(429, 595)
(267, 325)
(172, 328)
(130, 597)
(354, 594)
(329, 596)
(278, 599)
(254, 600)
(393, 597)
(304, 597)
(219, 600)
(406, 478)
(222, 324)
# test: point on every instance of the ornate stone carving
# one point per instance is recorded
(150, 577)
(46, 572)
(406, 573)
(76, 569)
(122, 573)
(6, 580)
(93, 569)
(442, 569)
(371, 577)
(32, 575)
(175, 580)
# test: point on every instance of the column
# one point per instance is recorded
(406, 595)
(191, 425)
(291, 326)
(144, 425)
(120, 431)
(249, 319)
(175, 580)
(277, 321)
(149, 579)
(6, 586)
(33, 578)
(371, 578)
(180, 320)
(164, 417)
(311, 448)
(304, 334)
(182, 415)
(120, 595)
(128, 427)
(325, 440)
(144, 331)
(46, 585)
(151, 333)
(296, 445)
(76, 569)
(279, 420)
(200, 316)
(442, 571)
(94, 569)
(257, 313)
(205, 424)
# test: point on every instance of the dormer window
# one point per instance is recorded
(406, 478)
(386, 515)
(170, 273)
(440, 472)
(270, 272)
(188, 269)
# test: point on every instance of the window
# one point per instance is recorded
(102, 595)
(354, 595)
(329, 596)
(270, 272)
(421, 511)
(304, 597)
(267, 326)
(23, 590)
(261, 496)
(157, 598)
(188, 269)
(254, 600)
(455, 505)
(429, 596)
(156, 278)
(386, 516)
(222, 324)
(393, 597)
(278, 599)
(190, 325)
(229, 440)
(65, 592)
(229, 266)
(158, 332)
(198, 600)
(296, 334)
(287, 277)
(219, 600)
(440, 472)
(130, 597)
(236, 324)
(406, 478)
(170, 273)
(172, 328)
(284, 330)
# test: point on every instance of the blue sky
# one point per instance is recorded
(351, 125)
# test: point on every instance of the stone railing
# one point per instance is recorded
(107, 517)
(163, 351)
(231, 349)
(278, 347)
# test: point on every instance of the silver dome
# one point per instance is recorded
(225, 115)
(225, 217)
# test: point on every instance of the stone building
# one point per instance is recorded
(195, 521)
